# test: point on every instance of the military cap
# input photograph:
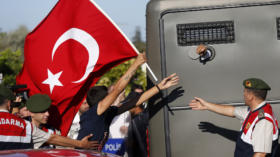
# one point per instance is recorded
(6, 93)
(255, 83)
(38, 103)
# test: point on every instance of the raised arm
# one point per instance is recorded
(104, 104)
(167, 82)
(200, 104)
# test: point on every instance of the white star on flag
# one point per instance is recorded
(52, 80)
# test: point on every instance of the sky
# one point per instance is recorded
(127, 14)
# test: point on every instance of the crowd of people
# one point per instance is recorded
(28, 127)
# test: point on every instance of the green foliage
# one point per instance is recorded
(11, 56)
(10, 65)
(3, 42)
(14, 39)
(115, 73)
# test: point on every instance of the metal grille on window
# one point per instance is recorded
(205, 33)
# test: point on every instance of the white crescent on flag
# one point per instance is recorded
(87, 41)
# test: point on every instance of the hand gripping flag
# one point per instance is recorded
(68, 52)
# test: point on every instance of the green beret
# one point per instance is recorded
(6, 93)
(255, 83)
(38, 103)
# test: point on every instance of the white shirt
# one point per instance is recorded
(116, 124)
(75, 127)
(39, 137)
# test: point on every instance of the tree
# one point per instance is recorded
(3, 40)
(14, 39)
(11, 56)
(10, 65)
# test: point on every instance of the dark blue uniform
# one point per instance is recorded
(98, 125)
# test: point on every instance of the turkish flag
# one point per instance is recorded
(67, 53)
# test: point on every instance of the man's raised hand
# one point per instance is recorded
(169, 81)
(141, 58)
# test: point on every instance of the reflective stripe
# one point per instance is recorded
(248, 136)
(248, 112)
(19, 139)
(275, 136)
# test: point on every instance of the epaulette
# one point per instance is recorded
(261, 114)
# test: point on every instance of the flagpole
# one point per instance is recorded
(148, 67)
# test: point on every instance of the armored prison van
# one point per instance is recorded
(243, 38)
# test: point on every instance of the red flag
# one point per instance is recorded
(69, 51)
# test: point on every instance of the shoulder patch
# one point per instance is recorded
(261, 114)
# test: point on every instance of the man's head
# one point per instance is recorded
(255, 88)
(96, 94)
(23, 111)
(6, 96)
(137, 88)
(84, 107)
(136, 110)
(38, 106)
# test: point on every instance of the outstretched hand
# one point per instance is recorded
(85, 143)
(198, 104)
(169, 81)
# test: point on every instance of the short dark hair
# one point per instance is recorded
(96, 94)
(136, 86)
(2, 100)
(261, 94)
